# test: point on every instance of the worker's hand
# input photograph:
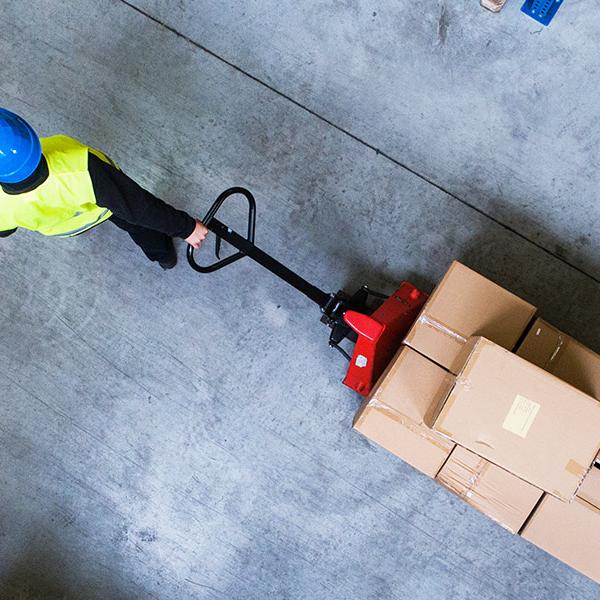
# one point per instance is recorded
(197, 236)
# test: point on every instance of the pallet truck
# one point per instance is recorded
(377, 332)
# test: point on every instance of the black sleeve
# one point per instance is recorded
(7, 232)
(132, 203)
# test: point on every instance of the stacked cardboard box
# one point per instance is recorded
(561, 355)
(500, 409)
(520, 417)
(571, 530)
(465, 304)
(494, 491)
(394, 416)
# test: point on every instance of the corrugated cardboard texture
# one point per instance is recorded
(590, 488)
(465, 304)
(393, 416)
(570, 531)
(560, 354)
(523, 419)
(495, 492)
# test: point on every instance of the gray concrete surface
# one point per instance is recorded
(516, 103)
(180, 436)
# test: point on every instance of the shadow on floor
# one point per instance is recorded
(43, 572)
(564, 296)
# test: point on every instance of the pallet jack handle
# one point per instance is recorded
(246, 247)
(208, 221)
(377, 332)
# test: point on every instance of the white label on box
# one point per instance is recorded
(521, 415)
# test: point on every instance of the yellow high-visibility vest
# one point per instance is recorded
(65, 204)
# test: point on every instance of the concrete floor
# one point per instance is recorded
(181, 436)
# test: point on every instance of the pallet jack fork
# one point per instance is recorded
(377, 332)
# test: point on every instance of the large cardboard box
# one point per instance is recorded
(570, 531)
(393, 416)
(462, 305)
(495, 492)
(563, 356)
(521, 418)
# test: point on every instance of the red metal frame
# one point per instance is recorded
(380, 335)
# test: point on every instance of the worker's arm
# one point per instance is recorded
(132, 203)
(6, 233)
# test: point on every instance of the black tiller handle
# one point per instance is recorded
(208, 219)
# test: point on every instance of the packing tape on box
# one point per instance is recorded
(453, 477)
(419, 429)
(464, 383)
(461, 486)
(429, 322)
(576, 469)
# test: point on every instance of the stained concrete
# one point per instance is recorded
(171, 435)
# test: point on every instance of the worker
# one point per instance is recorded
(60, 187)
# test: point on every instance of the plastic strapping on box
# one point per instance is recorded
(419, 429)
(467, 489)
(582, 480)
(464, 488)
(442, 328)
(570, 468)
(559, 345)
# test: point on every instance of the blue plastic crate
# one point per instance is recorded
(542, 11)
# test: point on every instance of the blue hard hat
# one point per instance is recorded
(20, 149)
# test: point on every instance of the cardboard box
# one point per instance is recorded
(393, 416)
(570, 531)
(522, 418)
(465, 304)
(563, 356)
(590, 488)
(495, 492)
(493, 5)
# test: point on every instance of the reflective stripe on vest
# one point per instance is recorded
(65, 204)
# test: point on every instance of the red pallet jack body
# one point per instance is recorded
(380, 335)
(377, 331)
